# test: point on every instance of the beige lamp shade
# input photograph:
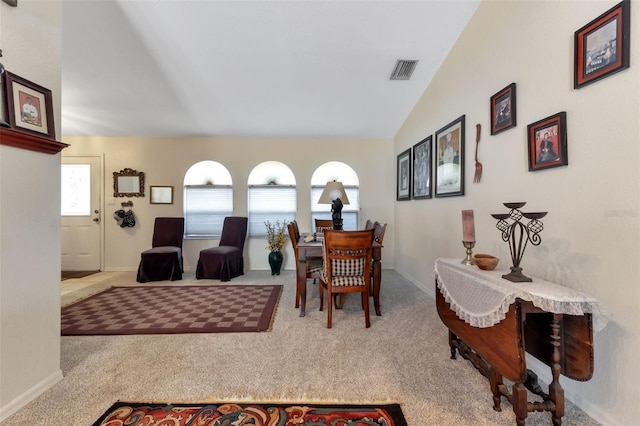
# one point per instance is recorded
(332, 191)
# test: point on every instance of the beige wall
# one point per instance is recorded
(166, 160)
(590, 238)
(30, 219)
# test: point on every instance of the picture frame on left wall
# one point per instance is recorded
(3, 104)
(29, 106)
(403, 184)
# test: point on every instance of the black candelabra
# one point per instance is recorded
(517, 235)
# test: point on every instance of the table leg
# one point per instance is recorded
(495, 382)
(377, 277)
(301, 287)
(556, 392)
(519, 402)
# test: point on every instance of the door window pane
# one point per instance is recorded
(75, 189)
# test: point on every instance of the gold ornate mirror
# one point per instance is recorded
(128, 183)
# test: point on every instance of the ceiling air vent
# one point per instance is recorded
(403, 70)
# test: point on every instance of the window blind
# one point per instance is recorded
(205, 207)
(272, 203)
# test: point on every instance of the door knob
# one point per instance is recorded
(96, 219)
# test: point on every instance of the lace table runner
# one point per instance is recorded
(482, 298)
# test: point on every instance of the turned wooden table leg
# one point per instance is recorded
(452, 347)
(556, 392)
(519, 401)
(495, 381)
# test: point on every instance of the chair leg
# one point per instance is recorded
(338, 300)
(321, 291)
(330, 305)
(365, 302)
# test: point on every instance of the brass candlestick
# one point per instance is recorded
(469, 260)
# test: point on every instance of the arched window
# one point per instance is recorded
(341, 172)
(272, 196)
(208, 199)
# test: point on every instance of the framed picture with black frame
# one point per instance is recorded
(601, 47)
(503, 109)
(3, 104)
(421, 183)
(449, 151)
(547, 142)
(403, 191)
(29, 106)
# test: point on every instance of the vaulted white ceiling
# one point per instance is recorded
(289, 68)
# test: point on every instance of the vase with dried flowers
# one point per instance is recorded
(276, 240)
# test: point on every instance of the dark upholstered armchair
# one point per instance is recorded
(164, 260)
(227, 260)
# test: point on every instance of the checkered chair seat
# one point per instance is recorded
(343, 281)
(345, 272)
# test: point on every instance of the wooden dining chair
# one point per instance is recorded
(323, 224)
(378, 233)
(369, 224)
(313, 265)
(378, 236)
(347, 256)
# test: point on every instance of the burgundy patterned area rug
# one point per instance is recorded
(218, 414)
(173, 310)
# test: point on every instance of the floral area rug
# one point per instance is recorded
(227, 414)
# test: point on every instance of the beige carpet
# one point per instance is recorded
(403, 358)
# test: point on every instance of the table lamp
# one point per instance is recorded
(335, 195)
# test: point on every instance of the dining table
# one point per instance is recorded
(313, 249)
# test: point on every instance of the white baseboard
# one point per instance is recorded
(31, 394)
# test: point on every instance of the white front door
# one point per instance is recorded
(81, 216)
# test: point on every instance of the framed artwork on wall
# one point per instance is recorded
(601, 47)
(29, 106)
(422, 169)
(161, 195)
(403, 191)
(449, 152)
(503, 109)
(547, 142)
(3, 107)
